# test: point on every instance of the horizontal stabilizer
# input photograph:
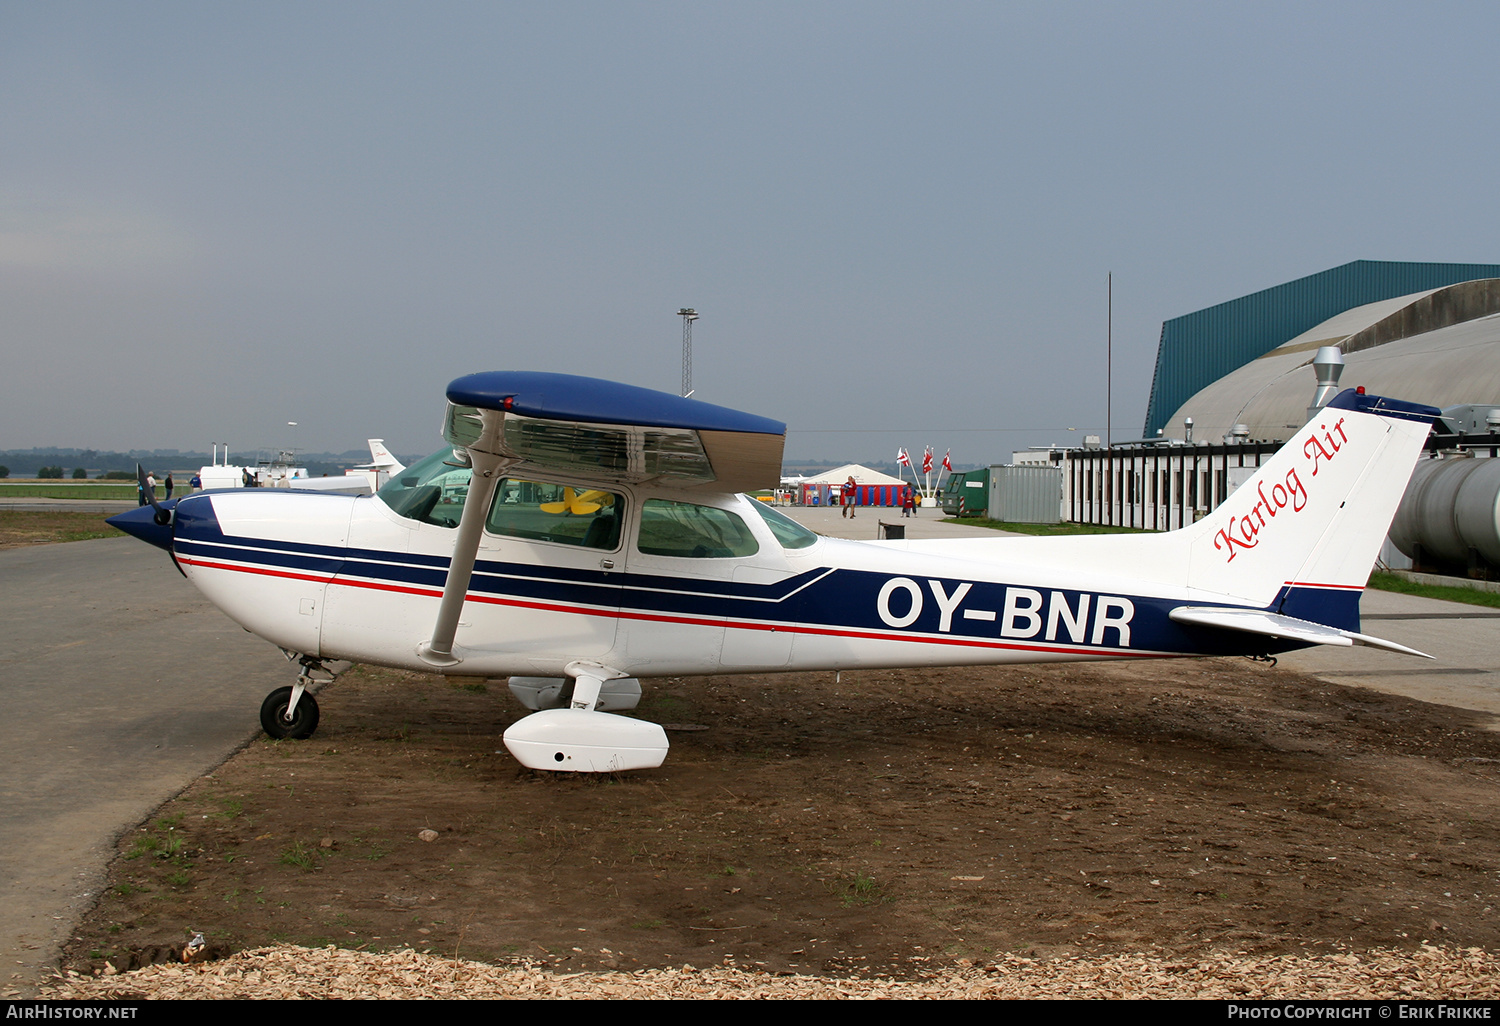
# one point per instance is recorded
(1274, 625)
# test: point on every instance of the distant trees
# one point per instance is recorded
(118, 475)
(4, 471)
(79, 474)
(50, 472)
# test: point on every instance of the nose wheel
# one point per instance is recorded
(293, 712)
(280, 719)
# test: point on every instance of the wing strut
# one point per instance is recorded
(489, 468)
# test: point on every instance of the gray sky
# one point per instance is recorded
(895, 219)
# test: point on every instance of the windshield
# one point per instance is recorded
(430, 491)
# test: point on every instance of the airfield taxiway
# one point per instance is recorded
(121, 686)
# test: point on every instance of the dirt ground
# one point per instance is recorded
(890, 822)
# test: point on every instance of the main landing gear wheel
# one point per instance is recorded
(273, 715)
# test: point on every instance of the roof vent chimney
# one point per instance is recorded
(1328, 364)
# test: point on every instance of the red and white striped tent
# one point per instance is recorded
(872, 488)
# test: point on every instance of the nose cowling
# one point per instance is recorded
(142, 523)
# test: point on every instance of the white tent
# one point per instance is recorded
(862, 475)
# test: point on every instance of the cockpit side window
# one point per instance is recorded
(586, 517)
(689, 530)
(430, 491)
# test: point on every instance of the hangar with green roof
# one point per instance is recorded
(1421, 331)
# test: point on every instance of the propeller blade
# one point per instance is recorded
(162, 516)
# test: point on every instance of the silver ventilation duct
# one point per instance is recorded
(1328, 364)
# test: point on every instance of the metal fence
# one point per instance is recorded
(1155, 487)
(1164, 487)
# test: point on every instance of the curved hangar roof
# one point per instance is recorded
(1440, 347)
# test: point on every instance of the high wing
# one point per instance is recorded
(504, 422)
(612, 433)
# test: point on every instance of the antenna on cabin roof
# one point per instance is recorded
(688, 315)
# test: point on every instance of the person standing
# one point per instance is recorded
(908, 502)
(846, 496)
(168, 483)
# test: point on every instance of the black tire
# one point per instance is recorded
(273, 715)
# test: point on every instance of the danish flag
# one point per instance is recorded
(927, 461)
(902, 458)
(948, 463)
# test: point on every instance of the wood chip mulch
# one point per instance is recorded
(291, 972)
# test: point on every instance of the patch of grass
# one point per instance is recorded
(303, 856)
(143, 846)
(1044, 530)
(20, 527)
(179, 878)
(647, 924)
(1390, 582)
(58, 490)
(859, 889)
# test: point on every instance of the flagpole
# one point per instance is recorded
(899, 464)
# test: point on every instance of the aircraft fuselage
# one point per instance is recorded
(347, 578)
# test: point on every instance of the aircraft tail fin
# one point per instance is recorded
(381, 458)
(1300, 537)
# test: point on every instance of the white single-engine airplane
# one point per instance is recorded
(577, 535)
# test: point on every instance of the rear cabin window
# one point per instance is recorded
(789, 533)
(691, 531)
